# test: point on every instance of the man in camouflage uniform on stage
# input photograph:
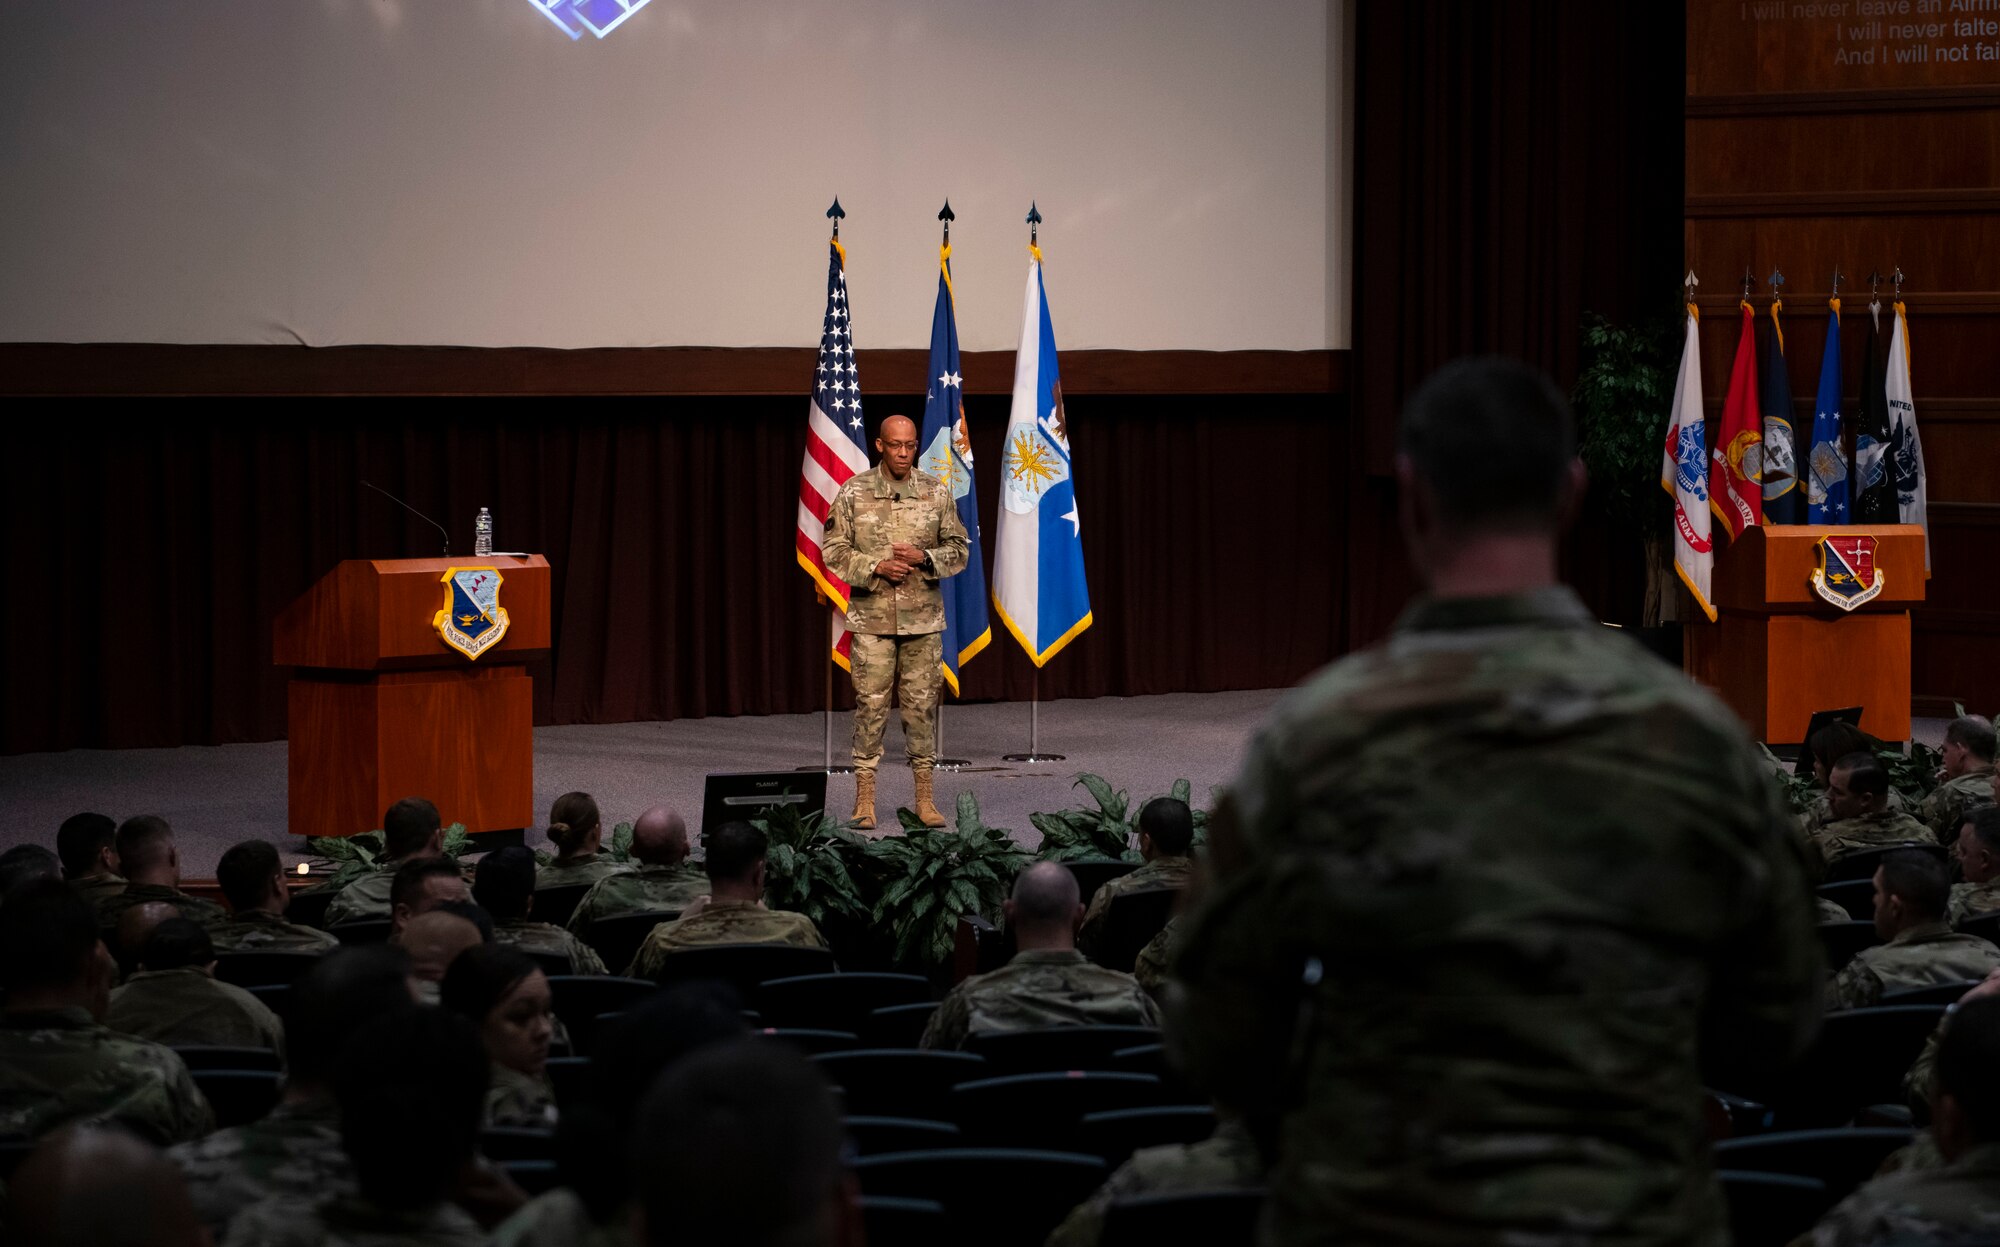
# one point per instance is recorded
(1968, 777)
(892, 534)
(1912, 890)
(664, 881)
(1226, 1161)
(1858, 794)
(735, 912)
(1048, 982)
(253, 881)
(1482, 1010)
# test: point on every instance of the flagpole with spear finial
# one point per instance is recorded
(944, 761)
(1034, 753)
(827, 764)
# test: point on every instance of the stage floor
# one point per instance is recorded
(216, 796)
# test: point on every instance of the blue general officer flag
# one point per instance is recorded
(946, 453)
(1826, 465)
(1038, 585)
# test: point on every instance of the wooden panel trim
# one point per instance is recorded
(1957, 200)
(1813, 303)
(1886, 100)
(174, 369)
(1965, 514)
(1969, 623)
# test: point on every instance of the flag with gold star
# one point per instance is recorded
(1038, 585)
(945, 451)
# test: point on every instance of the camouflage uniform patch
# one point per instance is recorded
(1919, 957)
(1863, 832)
(186, 1007)
(515, 1101)
(1973, 900)
(255, 931)
(1162, 874)
(541, 937)
(1226, 1162)
(293, 1154)
(1471, 1012)
(1944, 810)
(591, 869)
(1039, 988)
(194, 908)
(59, 1067)
(351, 1221)
(649, 889)
(723, 922)
(1958, 1203)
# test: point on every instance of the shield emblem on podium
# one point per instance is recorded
(1847, 575)
(472, 620)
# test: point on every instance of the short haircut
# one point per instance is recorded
(48, 936)
(1836, 740)
(472, 913)
(504, 881)
(1968, 1066)
(411, 1087)
(1045, 895)
(1985, 824)
(1866, 776)
(175, 944)
(1494, 440)
(325, 1006)
(408, 882)
(570, 820)
(1920, 879)
(245, 873)
(81, 838)
(24, 862)
(739, 1143)
(1169, 824)
(480, 978)
(1973, 734)
(733, 849)
(409, 826)
(142, 842)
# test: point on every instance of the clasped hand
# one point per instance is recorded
(903, 559)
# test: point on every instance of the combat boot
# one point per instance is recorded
(925, 808)
(864, 800)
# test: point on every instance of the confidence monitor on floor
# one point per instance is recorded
(746, 794)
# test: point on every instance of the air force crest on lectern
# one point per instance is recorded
(1847, 575)
(472, 621)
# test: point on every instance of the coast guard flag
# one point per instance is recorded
(1782, 491)
(1735, 474)
(1874, 479)
(1684, 473)
(1038, 586)
(945, 451)
(1826, 466)
(836, 441)
(1907, 453)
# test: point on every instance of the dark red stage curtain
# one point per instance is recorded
(147, 558)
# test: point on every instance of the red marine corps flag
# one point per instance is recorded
(1735, 471)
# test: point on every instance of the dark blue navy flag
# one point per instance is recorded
(945, 451)
(1826, 468)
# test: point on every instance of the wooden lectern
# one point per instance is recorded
(1779, 651)
(380, 708)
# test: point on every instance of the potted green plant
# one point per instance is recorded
(1621, 397)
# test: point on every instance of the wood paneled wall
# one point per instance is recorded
(1867, 143)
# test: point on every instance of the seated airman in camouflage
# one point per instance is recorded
(410, 1085)
(1977, 848)
(734, 913)
(578, 834)
(411, 829)
(27, 861)
(422, 884)
(1912, 889)
(58, 1062)
(1829, 745)
(294, 1152)
(1959, 1203)
(504, 886)
(1226, 1161)
(99, 1185)
(87, 844)
(1968, 779)
(1858, 794)
(253, 882)
(152, 866)
(175, 999)
(433, 940)
(1048, 983)
(1166, 836)
(664, 882)
(505, 994)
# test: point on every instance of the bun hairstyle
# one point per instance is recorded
(571, 820)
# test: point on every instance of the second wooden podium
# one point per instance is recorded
(380, 707)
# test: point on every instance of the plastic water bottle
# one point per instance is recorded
(482, 534)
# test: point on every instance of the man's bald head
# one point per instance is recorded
(135, 927)
(434, 940)
(660, 837)
(896, 426)
(1046, 907)
(94, 1186)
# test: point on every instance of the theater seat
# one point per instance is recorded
(898, 1026)
(215, 1056)
(836, 1001)
(1183, 1217)
(364, 931)
(308, 908)
(277, 997)
(617, 939)
(872, 1136)
(581, 1000)
(1771, 1209)
(1095, 873)
(555, 905)
(1042, 1110)
(261, 969)
(1986, 927)
(1841, 940)
(569, 1078)
(899, 1082)
(1859, 1058)
(1856, 896)
(1862, 865)
(1935, 994)
(536, 1177)
(1117, 1133)
(1842, 1159)
(1058, 1047)
(502, 1143)
(992, 1197)
(743, 966)
(553, 964)
(810, 1040)
(239, 1096)
(892, 1221)
(1130, 924)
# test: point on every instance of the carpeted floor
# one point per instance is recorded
(215, 796)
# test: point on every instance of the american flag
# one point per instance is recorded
(836, 441)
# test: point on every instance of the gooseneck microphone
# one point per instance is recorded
(413, 511)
